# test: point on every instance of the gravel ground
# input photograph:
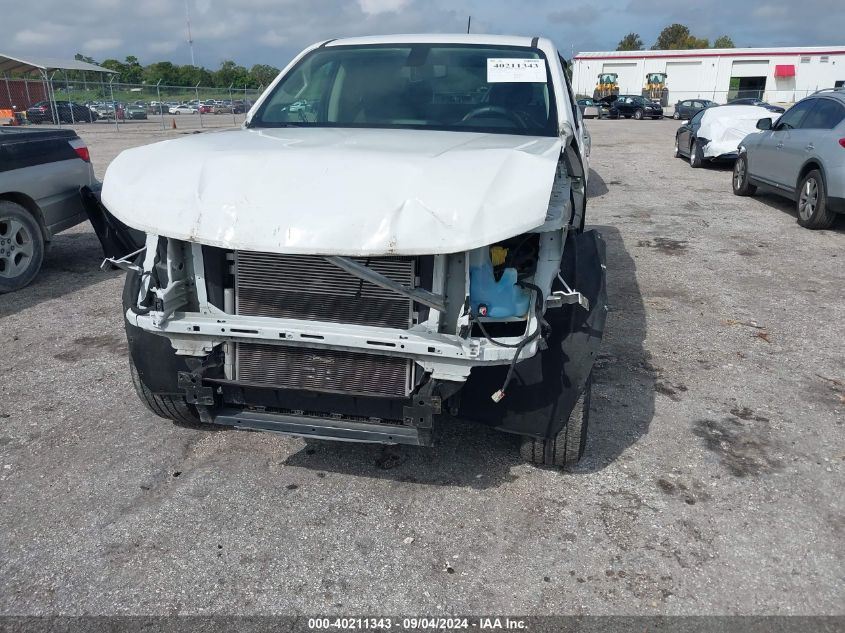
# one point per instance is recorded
(712, 481)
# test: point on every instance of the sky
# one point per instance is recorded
(273, 31)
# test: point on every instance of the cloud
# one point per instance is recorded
(28, 36)
(273, 38)
(100, 44)
(376, 7)
(576, 16)
(273, 31)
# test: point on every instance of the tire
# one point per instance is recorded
(741, 184)
(694, 154)
(677, 153)
(172, 408)
(811, 205)
(567, 447)
(638, 114)
(676, 116)
(21, 246)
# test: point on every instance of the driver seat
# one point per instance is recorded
(518, 98)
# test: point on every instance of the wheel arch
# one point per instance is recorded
(810, 165)
(576, 169)
(30, 205)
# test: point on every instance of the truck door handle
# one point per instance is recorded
(810, 147)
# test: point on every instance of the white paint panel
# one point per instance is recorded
(684, 80)
(629, 79)
(750, 68)
(336, 191)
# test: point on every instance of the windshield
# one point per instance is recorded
(418, 86)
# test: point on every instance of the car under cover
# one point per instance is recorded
(333, 191)
(724, 127)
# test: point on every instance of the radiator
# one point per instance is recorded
(310, 288)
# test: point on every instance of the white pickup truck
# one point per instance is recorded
(396, 232)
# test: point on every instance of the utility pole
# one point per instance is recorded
(190, 39)
(469, 23)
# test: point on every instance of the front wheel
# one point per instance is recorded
(677, 116)
(567, 447)
(173, 408)
(812, 203)
(741, 184)
(677, 153)
(638, 114)
(694, 154)
(21, 247)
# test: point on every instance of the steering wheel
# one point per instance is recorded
(495, 111)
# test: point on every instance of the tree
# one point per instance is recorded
(230, 73)
(678, 37)
(132, 71)
(631, 42)
(724, 41)
(164, 71)
(263, 74)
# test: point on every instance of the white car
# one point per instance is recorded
(183, 109)
(415, 245)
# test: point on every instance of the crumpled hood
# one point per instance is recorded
(336, 191)
(726, 126)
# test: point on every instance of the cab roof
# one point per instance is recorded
(444, 38)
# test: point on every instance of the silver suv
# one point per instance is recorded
(802, 156)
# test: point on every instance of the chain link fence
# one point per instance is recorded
(670, 99)
(60, 101)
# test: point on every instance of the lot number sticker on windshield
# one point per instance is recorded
(508, 70)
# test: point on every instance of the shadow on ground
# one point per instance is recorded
(787, 206)
(79, 254)
(596, 185)
(472, 455)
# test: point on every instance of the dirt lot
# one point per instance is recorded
(712, 482)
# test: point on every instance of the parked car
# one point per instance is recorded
(135, 111)
(240, 106)
(221, 109)
(635, 106)
(205, 109)
(41, 172)
(688, 108)
(423, 259)
(591, 109)
(801, 156)
(759, 103)
(715, 133)
(183, 109)
(67, 112)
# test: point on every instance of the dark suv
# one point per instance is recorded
(688, 108)
(635, 106)
(67, 112)
(758, 103)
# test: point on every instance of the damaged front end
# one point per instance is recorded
(372, 348)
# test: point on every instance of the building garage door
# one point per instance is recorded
(683, 80)
(629, 80)
(748, 79)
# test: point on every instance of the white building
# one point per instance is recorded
(776, 75)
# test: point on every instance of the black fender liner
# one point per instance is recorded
(546, 387)
(153, 356)
(117, 239)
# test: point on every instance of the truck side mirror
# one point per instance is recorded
(764, 124)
